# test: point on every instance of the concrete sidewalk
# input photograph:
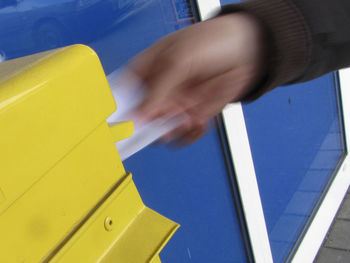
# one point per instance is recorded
(336, 246)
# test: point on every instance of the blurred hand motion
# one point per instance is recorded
(197, 71)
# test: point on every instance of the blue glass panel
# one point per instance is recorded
(116, 29)
(191, 185)
(296, 138)
(226, 2)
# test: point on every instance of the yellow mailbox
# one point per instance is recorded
(64, 193)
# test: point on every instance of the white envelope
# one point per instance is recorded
(128, 92)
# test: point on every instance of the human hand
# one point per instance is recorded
(197, 71)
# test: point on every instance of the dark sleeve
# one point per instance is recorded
(304, 39)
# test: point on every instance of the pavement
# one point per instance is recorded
(336, 246)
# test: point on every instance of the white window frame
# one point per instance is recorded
(247, 183)
(317, 231)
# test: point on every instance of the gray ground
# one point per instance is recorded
(336, 247)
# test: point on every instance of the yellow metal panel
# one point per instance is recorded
(64, 193)
(156, 260)
(47, 106)
(44, 216)
(122, 130)
(121, 230)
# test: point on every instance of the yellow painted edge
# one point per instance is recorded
(121, 130)
(163, 243)
(156, 259)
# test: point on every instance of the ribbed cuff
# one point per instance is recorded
(287, 41)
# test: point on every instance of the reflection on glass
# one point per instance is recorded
(34, 25)
(296, 137)
(30, 26)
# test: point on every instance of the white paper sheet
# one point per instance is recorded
(128, 93)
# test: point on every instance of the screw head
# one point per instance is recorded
(109, 223)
